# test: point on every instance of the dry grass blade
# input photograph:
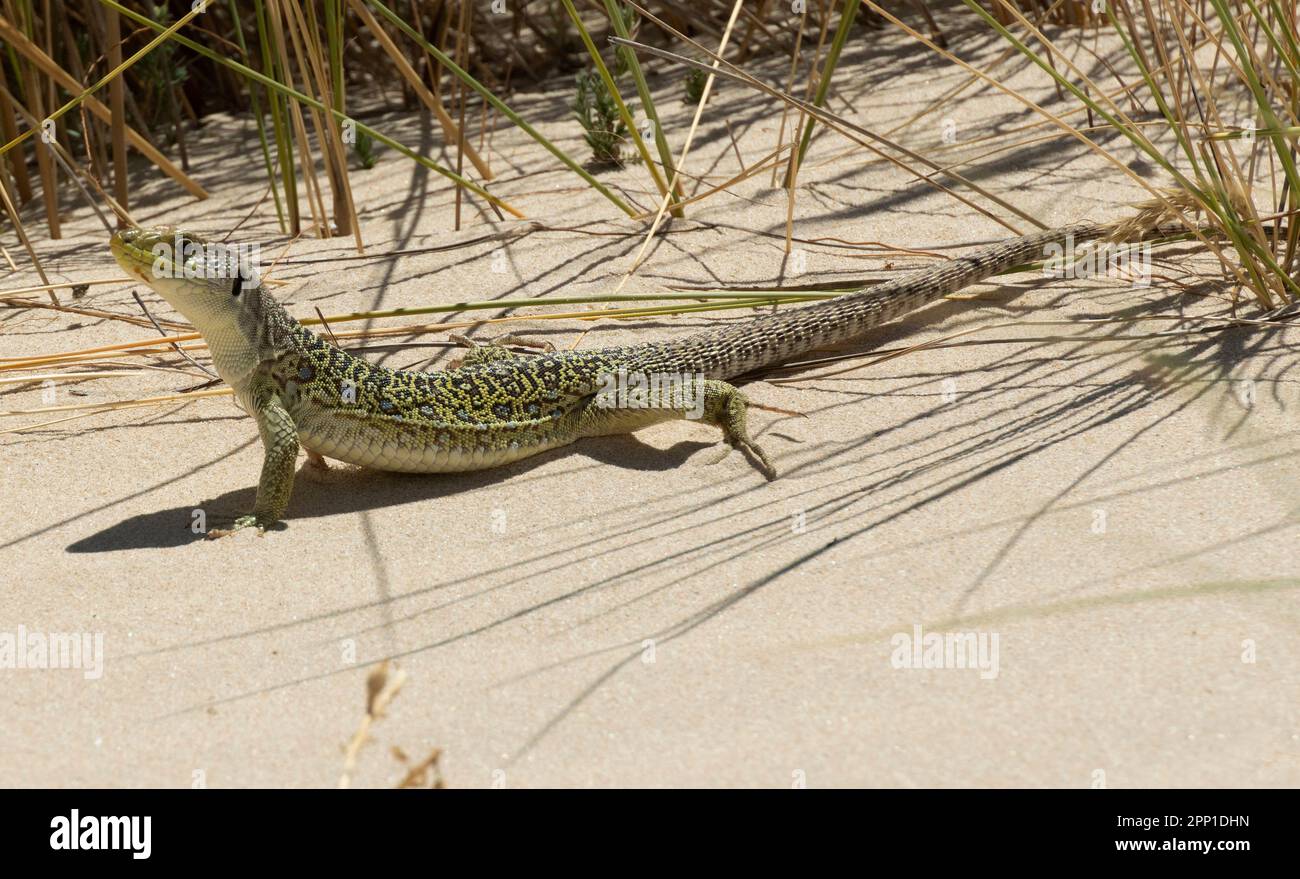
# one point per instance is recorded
(117, 106)
(856, 133)
(308, 101)
(449, 129)
(329, 138)
(686, 148)
(14, 37)
(21, 231)
(1207, 174)
(382, 686)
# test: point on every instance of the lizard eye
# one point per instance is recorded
(238, 285)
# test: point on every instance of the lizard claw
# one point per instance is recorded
(240, 523)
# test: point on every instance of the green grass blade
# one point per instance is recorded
(647, 100)
(282, 89)
(259, 117)
(828, 70)
(500, 105)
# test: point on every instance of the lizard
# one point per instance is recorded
(497, 406)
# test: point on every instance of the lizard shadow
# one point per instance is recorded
(356, 489)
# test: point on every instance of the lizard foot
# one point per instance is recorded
(318, 470)
(725, 406)
(240, 523)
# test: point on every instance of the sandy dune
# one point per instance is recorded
(1116, 507)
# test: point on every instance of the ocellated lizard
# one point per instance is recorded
(497, 406)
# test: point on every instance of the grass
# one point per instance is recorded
(1203, 92)
(1209, 159)
(292, 67)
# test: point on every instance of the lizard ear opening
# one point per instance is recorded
(238, 286)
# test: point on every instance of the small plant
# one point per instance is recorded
(365, 150)
(598, 113)
(695, 80)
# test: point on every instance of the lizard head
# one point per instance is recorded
(217, 287)
(212, 284)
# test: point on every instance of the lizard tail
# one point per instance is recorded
(732, 350)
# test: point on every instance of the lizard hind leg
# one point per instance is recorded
(726, 407)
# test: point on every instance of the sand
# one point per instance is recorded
(1116, 508)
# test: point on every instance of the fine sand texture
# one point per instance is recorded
(1085, 479)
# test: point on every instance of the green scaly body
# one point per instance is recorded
(497, 406)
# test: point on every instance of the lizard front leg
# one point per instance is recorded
(280, 440)
(494, 349)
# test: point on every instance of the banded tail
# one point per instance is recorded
(733, 350)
